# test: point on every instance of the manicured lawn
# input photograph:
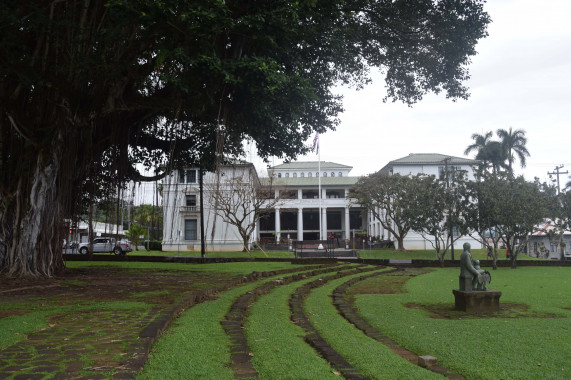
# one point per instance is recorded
(479, 254)
(285, 254)
(375, 360)
(234, 268)
(528, 339)
(532, 344)
(196, 347)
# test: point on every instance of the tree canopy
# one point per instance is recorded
(90, 88)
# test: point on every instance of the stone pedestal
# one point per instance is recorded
(484, 301)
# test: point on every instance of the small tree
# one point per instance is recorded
(439, 207)
(485, 207)
(242, 201)
(134, 233)
(522, 206)
(387, 197)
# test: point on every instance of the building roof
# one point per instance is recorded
(429, 159)
(312, 181)
(310, 165)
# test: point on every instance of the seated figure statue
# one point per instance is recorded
(469, 276)
(485, 276)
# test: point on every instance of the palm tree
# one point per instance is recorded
(493, 154)
(513, 143)
(480, 145)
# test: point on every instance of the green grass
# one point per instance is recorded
(375, 360)
(277, 254)
(532, 347)
(277, 344)
(430, 254)
(233, 268)
(196, 346)
(14, 328)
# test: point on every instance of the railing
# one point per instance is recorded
(189, 208)
(313, 245)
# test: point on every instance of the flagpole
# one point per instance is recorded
(319, 181)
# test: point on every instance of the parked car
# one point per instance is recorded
(106, 244)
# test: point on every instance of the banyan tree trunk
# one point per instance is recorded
(35, 219)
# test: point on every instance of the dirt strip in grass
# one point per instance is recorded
(312, 336)
(346, 310)
(87, 342)
(234, 324)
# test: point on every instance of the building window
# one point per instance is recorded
(190, 200)
(294, 175)
(340, 174)
(317, 174)
(188, 176)
(309, 174)
(287, 175)
(301, 174)
(279, 175)
(325, 174)
(190, 229)
(191, 176)
(332, 174)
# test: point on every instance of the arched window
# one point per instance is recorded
(317, 174)
(302, 174)
(332, 174)
(325, 174)
(287, 175)
(340, 174)
(294, 175)
(309, 174)
(279, 175)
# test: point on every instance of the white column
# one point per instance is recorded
(324, 222)
(278, 227)
(300, 224)
(347, 223)
(257, 233)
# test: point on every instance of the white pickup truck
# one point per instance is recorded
(105, 244)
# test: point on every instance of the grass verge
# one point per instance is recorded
(534, 345)
(375, 360)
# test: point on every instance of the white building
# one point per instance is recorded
(296, 216)
(428, 164)
(181, 208)
(300, 211)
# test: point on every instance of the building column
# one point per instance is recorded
(300, 224)
(257, 231)
(278, 227)
(347, 224)
(324, 223)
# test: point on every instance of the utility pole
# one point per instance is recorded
(451, 232)
(557, 173)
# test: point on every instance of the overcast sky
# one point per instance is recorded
(521, 78)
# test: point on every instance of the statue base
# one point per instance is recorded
(477, 301)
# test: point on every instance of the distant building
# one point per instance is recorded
(297, 184)
(429, 164)
(181, 208)
(297, 216)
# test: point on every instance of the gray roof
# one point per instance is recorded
(429, 159)
(312, 181)
(312, 165)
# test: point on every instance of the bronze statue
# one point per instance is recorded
(469, 276)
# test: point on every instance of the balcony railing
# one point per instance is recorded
(189, 208)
